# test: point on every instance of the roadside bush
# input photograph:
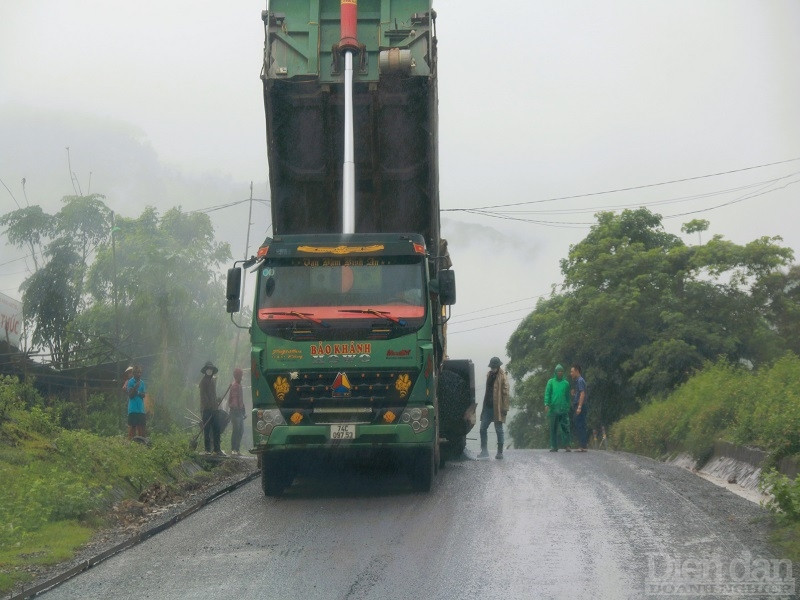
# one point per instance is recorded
(712, 398)
(36, 420)
(769, 416)
(644, 432)
(10, 398)
(105, 415)
(723, 401)
(785, 493)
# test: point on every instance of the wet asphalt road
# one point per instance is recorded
(536, 525)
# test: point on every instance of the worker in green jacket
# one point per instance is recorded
(556, 407)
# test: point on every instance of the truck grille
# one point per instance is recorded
(342, 392)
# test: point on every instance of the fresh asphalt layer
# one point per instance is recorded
(534, 525)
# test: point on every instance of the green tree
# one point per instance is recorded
(51, 301)
(697, 226)
(53, 296)
(84, 222)
(640, 310)
(779, 294)
(28, 228)
(170, 295)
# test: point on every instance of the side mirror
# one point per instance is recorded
(447, 287)
(234, 289)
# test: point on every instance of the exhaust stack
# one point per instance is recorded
(349, 45)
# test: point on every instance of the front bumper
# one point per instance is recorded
(368, 436)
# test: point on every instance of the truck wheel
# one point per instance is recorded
(276, 474)
(454, 400)
(454, 447)
(422, 468)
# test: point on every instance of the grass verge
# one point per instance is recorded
(59, 485)
(786, 538)
(51, 544)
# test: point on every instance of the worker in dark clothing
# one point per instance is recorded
(495, 407)
(580, 406)
(209, 404)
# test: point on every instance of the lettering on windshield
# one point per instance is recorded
(343, 262)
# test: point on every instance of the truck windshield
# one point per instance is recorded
(337, 291)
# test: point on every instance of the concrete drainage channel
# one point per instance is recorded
(735, 468)
(130, 542)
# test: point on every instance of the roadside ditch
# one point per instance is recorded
(735, 468)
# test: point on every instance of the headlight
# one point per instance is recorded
(417, 418)
(268, 419)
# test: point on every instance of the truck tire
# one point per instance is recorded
(422, 469)
(454, 400)
(454, 448)
(276, 474)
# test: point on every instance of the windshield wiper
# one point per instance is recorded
(378, 313)
(298, 314)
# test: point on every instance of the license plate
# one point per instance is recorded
(343, 432)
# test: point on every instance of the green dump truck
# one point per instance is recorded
(353, 289)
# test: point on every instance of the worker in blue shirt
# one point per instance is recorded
(136, 413)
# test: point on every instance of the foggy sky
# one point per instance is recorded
(161, 103)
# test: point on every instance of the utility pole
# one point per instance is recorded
(114, 293)
(249, 223)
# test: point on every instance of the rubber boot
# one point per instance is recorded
(484, 445)
(499, 455)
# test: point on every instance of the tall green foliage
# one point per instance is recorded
(28, 228)
(640, 310)
(53, 295)
(759, 408)
(162, 269)
(170, 297)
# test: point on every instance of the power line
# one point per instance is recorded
(737, 200)
(583, 224)
(508, 312)
(626, 189)
(677, 200)
(557, 224)
(10, 193)
(483, 327)
(8, 262)
(227, 205)
(504, 304)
